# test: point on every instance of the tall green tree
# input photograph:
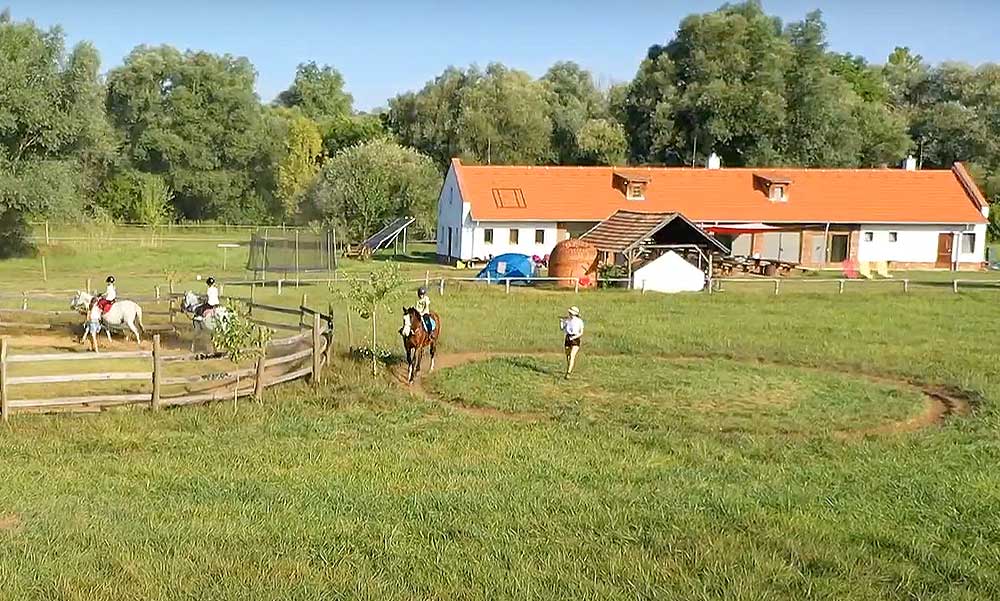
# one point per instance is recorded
(600, 142)
(366, 185)
(193, 118)
(55, 142)
(498, 116)
(298, 167)
(318, 92)
(573, 101)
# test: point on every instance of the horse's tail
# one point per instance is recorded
(138, 319)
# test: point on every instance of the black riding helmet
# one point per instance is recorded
(421, 291)
(110, 280)
(210, 281)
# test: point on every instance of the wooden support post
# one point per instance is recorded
(171, 303)
(441, 288)
(350, 333)
(296, 258)
(4, 401)
(329, 335)
(954, 286)
(154, 401)
(253, 286)
(427, 279)
(47, 240)
(258, 383)
(156, 292)
(302, 312)
(643, 286)
(576, 285)
(317, 344)
(841, 287)
(279, 286)
(45, 273)
(507, 284)
(24, 301)
(89, 289)
(777, 285)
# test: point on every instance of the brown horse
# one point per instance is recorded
(416, 339)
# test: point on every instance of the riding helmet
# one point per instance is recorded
(421, 291)
(210, 281)
(110, 280)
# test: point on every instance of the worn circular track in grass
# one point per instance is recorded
(699, 394)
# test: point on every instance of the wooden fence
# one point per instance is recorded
(298, 355)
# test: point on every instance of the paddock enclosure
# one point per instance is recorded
(44, 368)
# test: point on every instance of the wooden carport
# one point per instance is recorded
(633, 234)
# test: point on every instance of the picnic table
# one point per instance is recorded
(755, 266)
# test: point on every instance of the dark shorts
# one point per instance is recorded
(572, 342)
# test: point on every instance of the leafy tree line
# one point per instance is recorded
(172, 135)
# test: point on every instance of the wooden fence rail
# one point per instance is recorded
(316, 338)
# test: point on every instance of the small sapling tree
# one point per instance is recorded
(368, 297)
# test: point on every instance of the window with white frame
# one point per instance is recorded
(514, 235)
(893, 236)
(488, 235)
(869, 236)
(968, 243)
(539, 236)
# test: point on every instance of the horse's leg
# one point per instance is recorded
(131, 326)
(433, 352)
(409, 364)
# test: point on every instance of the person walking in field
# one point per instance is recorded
(572, 326)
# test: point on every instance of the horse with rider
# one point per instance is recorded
(420, 330)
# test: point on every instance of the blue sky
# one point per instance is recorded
(387, 47)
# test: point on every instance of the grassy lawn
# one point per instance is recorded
(695, 455)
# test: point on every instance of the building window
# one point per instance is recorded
(968, 244)
(869, 236)
(778, 193)
(635, 191)
(893, 236)
(488, 235)
(539, 236)
(514, 235)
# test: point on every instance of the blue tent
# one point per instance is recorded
(510, 266)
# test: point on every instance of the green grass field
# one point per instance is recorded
(733, 446)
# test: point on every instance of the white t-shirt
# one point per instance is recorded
(573, 327)
(213, 296)
(95, 313)
(110, 294)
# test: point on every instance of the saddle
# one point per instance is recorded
(104, 304)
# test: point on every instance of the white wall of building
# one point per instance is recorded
(453, 218)
(918, 243)
(527, 243)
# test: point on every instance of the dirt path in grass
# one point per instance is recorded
(940, 403)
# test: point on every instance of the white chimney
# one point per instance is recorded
(910, 164)
(714, 162)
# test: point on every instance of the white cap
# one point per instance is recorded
(574, 311)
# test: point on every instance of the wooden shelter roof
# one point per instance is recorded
(627, 230)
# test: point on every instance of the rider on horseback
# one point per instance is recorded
(211, 299)
(106, 300)
(423, 307)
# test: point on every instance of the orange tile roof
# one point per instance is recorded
(726, 195)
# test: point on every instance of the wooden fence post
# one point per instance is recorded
(156, 292)
(441, 288)
(4, 401)
(906, 285)
(89, 289)
(258, 384)
(302, 313)
(279, 286)
(841, 290)
(24, 301)
(350, 333)
(329, 338)
(253, 287)
(154, 402)
(777, 285)
(47, 240)
(507, 284)
(427, 279)
(316, 343)
(954, 286)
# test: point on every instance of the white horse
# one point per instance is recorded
(203, 324)
(124, 315)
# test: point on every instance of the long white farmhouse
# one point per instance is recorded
(912, 218)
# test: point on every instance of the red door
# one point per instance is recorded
(945, 242)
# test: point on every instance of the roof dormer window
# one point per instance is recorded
(632, 186)
(775, 187)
